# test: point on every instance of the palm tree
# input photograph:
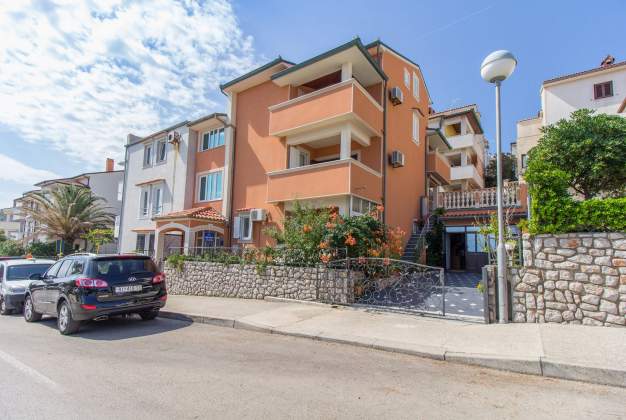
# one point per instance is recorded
(68, 212)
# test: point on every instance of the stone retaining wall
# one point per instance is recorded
(252, 282)
(577, 278)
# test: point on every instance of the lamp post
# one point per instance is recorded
(495, 68)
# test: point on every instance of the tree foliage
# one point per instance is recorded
(42, 249)
(99, 237)
(508, 169)
(588, 150)
(11, 248)
(68, 212)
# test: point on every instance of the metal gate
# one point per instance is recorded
(383, 283)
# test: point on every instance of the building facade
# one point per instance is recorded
(602, 89)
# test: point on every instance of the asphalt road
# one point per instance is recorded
(165, 369)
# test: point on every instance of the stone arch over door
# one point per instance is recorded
(160, 242)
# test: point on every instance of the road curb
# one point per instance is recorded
(541, 366)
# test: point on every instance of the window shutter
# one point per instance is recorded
(203, 188)
(236, 227)
(598, 91)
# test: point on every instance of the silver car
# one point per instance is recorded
(15, 276)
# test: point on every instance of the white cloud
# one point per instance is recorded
(12, 170)
(80, 75)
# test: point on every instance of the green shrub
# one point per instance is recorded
(42, 249)
(10, 248)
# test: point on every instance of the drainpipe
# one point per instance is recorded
(232, 177)
(384, 139)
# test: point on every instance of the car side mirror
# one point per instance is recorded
(35, 276)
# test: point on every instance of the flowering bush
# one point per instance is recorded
(323, 230)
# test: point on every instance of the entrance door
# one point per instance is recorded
(457, 251)
(477, 256)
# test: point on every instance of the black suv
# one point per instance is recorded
(84, 287)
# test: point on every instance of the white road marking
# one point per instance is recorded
(38, 377)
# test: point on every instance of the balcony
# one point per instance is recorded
(438, 167)
(467, 173)
(513, 195)
(335, 178)
(346, 101)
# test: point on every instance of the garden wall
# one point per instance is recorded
(256, 282)
(577, 278)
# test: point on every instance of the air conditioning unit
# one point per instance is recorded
(258, 215)
(395, 95)
(396, 159)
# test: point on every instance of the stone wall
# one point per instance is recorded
(252, 282)
(577, 278)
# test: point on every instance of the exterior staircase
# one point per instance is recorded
(417, 242)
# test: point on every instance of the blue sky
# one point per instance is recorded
(78, 76)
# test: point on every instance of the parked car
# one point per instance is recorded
(15, 276)
(83, 287)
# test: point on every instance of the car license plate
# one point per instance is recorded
(128, 289)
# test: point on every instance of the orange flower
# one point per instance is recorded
(374, 252)
(307, 228)
(324, 245)
(350, 240)
(330, 225)
(325, 258)
(380, 208)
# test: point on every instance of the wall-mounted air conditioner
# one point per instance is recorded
(258, 215)
(396, 96)
(396, 159)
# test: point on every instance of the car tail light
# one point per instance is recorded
(163, 298)
(91, 283)
(159, 278)
(89, 307)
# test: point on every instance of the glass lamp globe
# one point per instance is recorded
(497, 66)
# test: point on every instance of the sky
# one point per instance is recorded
(76, 76)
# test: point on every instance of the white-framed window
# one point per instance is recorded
(360, 206)
(407, 79)
(161, 151)
(157, 199)
(147, 155)
(210, 186)
(415, 132)
(144, 204)
(212, 139)
(416, 86)
(245, 227)
(299, 157)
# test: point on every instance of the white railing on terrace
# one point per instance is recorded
(483, 198)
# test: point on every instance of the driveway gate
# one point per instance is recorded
(384, 283)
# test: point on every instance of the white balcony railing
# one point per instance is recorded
(476, 199)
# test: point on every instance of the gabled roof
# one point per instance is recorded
(356, 42)
(207, 117)
(163, 131)
(274, 62)
(469, 110)
(200, 213)
(584, 73)
(74, 179)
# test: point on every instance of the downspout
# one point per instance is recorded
(119, 235)
(231, 187)
(384, 139)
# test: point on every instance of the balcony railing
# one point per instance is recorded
(336, 178)
(513, 195)
(343, 101)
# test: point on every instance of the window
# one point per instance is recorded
(210, 186)
(416, 87)
(157, 200)
(147, 155)
(407, 79)
(299, 157)
(360, 206)
(245, 227)
(212, 139)
(23, 272)
(603, 90)
(208, 239)
(141, 242)
(452, 130)
(77, 268)
(161, 151)
(54, 270)
(416, 128)
(145, 202)
(65, 268)
(524, 161)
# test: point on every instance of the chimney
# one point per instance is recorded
(608, 61)
(109, 165)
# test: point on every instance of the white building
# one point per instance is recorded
(9, 225)
(602, 89)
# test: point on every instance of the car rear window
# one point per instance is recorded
(23, 272)
(116, 270)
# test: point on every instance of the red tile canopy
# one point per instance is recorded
(200, 213)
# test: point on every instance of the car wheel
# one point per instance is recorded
(67, 325)
(30, 315)
(3, 307)
(149, 315)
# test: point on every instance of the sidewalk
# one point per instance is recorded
(591, 354)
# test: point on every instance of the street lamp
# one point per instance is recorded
(495, 68)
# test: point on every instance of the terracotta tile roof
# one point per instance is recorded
(201, 213)
(244, 209)
(582, 73)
